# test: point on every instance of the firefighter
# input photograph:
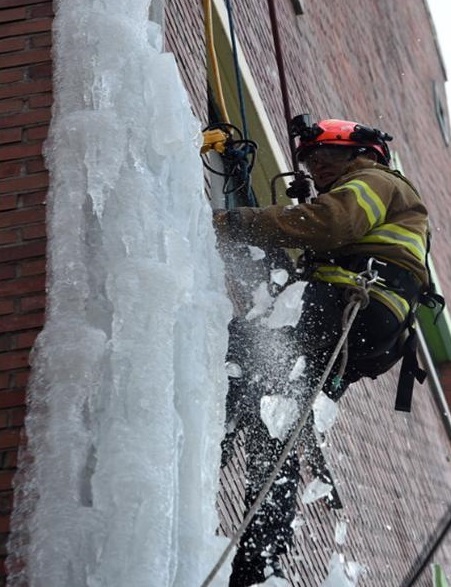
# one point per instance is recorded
(364, 213)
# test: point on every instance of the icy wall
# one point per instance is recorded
(127, 391)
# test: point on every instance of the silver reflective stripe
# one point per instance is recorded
(393, 234)
(367, 199)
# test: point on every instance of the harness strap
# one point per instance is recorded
(410, 370)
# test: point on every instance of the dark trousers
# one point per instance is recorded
(266, 358)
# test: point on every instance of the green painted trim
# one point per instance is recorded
(438, 576)
(437, 336)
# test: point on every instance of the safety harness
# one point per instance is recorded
(397, 289)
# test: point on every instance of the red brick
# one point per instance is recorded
(9, 438)
(13, 360)
(26, 88)
(41, 10)
(29, 304)
(26, 118)
(34, 231)
(23, 285)
(8, 202)
(7, 271)
(33, 267)
(6, 307)
(26, 57)
(20, 382)
(6, 480)
(12, 44)
(37, 133)
(40, 100)
(20, 151)
(11, 399)
(10, 462)
(11, 135)
(10, 76)
(6, 502)
(11, 106)
(16, 252)
(41, 71)
(35, 165)
(15, 322)
(4, 523)
(17, 415)
(25, 340)
(23, 184)
(4, 380)
(11, 3)
(8, 237)
(13, 14)
(10, 169)
(21, 217)
(6, 343)
(33, 199)
(25, 27)
(42, 40)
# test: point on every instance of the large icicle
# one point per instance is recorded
(127, 390)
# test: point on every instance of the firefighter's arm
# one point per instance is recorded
(331, 221)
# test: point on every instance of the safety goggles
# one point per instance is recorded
(326, 156)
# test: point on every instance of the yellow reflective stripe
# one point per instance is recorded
(397, 235)
(367, 199)
(337, 275)
(397, 304)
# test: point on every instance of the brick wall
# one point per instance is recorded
(25, 101)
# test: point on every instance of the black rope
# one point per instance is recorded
(283, 81)
(428, 551)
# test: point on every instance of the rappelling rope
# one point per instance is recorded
(355, 294)
(359, 299)
(283, 81)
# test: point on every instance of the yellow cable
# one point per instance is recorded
(209, 39)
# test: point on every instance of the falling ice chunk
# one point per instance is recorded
(340, 532)
(262, 301)
(298, 369)
(315, 490)
(278, 413)
(342, 573)
(325, 412)
(287, 307)
(233, 370)
(279, 276)
(256, 253)
(272, 580)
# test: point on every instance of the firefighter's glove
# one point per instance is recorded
(231, 224)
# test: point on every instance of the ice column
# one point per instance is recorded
(127, 390)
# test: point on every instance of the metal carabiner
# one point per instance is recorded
(370, 276)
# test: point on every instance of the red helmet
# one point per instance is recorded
(341, 133)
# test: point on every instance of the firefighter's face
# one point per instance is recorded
(327, 164)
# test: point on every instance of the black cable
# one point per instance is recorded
(428, 551)
(283, 81)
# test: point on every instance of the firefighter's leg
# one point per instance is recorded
(270, 532)
(242, 400)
